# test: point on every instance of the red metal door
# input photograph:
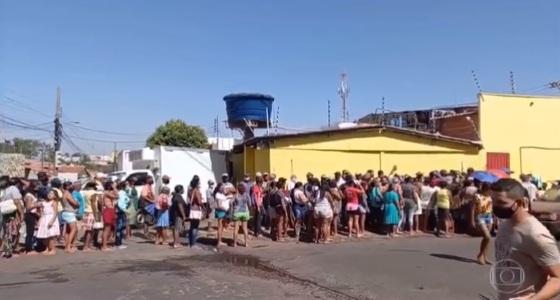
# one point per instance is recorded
(495, 161)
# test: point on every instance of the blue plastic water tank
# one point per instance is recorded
(248, 106)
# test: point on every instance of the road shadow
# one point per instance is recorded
(454, 257)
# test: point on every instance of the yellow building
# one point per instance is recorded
(355, 149)
(510, 131)
(521, 132)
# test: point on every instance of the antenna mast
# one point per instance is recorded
(343, 92)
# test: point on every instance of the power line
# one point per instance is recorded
(26, 106)
(71, 143)
(106, 141)
(87, 128)
(101, 131)
(17, 123)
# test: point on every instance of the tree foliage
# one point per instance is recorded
(177, 133)
(28, 147)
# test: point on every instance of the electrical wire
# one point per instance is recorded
(71, 143)
(106, 141)
(9, 123)
(26, 106)
(73, 124)
(103, 131)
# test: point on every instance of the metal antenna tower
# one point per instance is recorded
(343, 92)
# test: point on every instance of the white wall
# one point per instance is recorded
(224, 144)
(181, 164)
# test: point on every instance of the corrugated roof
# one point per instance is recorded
(364, 127)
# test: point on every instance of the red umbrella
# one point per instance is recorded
(500, 173)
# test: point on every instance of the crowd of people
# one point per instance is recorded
(102, 214)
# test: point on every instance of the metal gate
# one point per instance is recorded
(495, 160)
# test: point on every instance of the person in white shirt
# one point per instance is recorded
(530, 187)
(292, 183)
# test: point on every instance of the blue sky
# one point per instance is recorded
(128, 66)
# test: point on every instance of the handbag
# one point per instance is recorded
(195, 214)
(98, 225)
(7, 207)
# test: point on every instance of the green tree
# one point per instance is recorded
(177, 133)
(28, 147)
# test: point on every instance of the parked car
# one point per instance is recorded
(141, 175)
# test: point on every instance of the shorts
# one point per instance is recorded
(60, 219)
(300, 211)
(243, 216)
(89, 219)
(68, 217)
(485, 219)
(442, 213)
(220, 214)
(109, 217)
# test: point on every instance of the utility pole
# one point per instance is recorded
(57, 130)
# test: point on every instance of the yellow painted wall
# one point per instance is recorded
(262, 161)
(510, 122)
(237, 161)
(287, 162)
(362, 150)
(250, 158)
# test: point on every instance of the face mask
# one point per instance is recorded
(505, 212)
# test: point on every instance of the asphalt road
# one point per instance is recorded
(375, 268)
